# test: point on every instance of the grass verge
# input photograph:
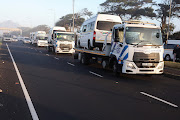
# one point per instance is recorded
(172, 64)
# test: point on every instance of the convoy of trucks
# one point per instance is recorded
(131, 47)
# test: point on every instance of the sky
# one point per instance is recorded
(31, 13)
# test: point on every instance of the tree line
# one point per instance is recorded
(130, 9)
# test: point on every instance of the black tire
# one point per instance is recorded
(85, 59)
(115, 68)
(75, 55)
(53, 50)
(49, 49)
(167, 58)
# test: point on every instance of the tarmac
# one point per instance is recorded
(172, 72)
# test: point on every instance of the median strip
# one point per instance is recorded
(159, 99)
(95, 74)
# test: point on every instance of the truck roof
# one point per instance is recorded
(138, 25)
(59, 28)
(64, 32)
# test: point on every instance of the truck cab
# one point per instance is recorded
(63, 42)
(40, 38)
(137, 47)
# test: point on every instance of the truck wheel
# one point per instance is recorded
(167, 58)
(53, 50)
(104, 64)
(115, 68)
(49, 49)
(85, 59)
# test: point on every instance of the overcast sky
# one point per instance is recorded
(36, 12)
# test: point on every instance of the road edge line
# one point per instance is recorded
(26, 94)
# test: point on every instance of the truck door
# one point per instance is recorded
(117, 42)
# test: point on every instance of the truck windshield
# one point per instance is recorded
(106, 25)
(41, 38)
(65, 36)
(143, 36)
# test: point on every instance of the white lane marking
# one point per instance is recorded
(56, 58)
(40, 51)
(47, 54)
(95, 74)
(26, 94)
(159, 99)
(70, 64)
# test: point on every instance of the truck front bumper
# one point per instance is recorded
(58, 50)
(131, 68)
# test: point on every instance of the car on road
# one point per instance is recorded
(168, 49)
(26, 40)
(15, 39)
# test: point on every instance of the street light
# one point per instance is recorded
(169, 19)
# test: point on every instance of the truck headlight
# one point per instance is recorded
(130, 65)
(161, 66)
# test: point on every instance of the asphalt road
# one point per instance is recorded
(61, 88)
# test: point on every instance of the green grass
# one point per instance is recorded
(172, 64)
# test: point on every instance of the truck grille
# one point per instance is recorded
(65, 46)
(140, 58)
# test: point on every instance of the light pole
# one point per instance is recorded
(169, 20)
(73, 15)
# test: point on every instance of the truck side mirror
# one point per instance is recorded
(116, 35)
(157, 35)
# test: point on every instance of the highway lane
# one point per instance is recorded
(62, 88)
(13, 105)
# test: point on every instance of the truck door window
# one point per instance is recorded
(121, 34)
(84, 28)
(92, 26)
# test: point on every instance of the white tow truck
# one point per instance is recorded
(136, 48)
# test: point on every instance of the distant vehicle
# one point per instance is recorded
(42, 41)
(15, 39)
(94, 30)
(7, 37)
(62, 42)
(26, 40)
(20, 38)
(32, 34)
(168, 49)
(38, 37)
(136, 48)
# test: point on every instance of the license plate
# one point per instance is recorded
(66, 48)
(147, 64)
